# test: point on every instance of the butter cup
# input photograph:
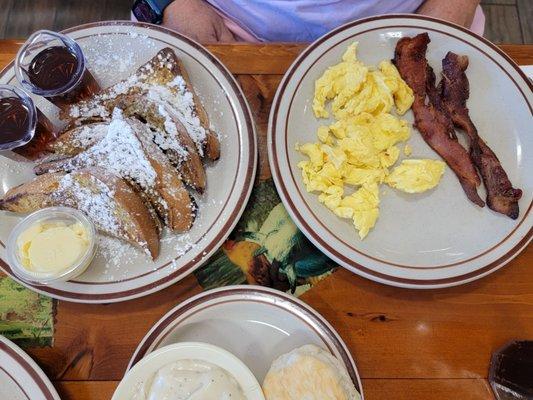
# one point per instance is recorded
(65, 215)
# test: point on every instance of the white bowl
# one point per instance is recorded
(150, 364)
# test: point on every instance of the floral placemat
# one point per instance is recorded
(26, 317)
(266, 248)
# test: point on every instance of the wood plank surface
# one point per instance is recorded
(444, 333)
(265, 59)
(27, 16)
(508, 2)
(525, 13)
(4, 16)
(497, 14)
(380, 389)
(502, 24)
(408, 344)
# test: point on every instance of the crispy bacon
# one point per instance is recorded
(454, 92)
(431, 118)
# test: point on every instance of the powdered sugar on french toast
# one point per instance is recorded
(89, 134)
(84, 137)
(122, 153)
(95, 200)
(95, 107)
(168, 139)
(174, 96)
(180, 102)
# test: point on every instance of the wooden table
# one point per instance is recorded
(407, 344)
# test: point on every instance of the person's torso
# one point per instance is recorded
(304, 20)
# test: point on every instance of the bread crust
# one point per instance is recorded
(134, 222)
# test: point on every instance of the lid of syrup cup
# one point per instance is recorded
(9, 91)
(37, 42)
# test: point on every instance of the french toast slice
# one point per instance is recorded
(169, 68)
(212, 143)
(169, 134)
(113, 206)
(76, 139)
(126, 149)
(163, 81)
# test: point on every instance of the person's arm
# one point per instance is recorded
(197, 20)
(460, 12)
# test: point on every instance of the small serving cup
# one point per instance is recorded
(51, 214)
(38, 42)
(145, 369)
(7, 92)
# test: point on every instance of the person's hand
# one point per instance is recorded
(197, 20)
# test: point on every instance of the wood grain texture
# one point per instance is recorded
(85, 390)
(27, 16)
(525, 13)
(502, 24)
(260, 59)
(443, 333)
(374, 389)
(408, 344)
(5, 9)
(96, 342)
(244, 58)
(260, 91)
(75, 12)
(501, 2)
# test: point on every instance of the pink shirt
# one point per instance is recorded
(306, 20)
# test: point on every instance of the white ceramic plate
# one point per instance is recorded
(254, 323)
(145, 369)
(114, 50)
(431, 240)
(20, 377)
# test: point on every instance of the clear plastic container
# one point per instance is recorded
(28, 115)
(52, 65)
(47, 215)
(24, 129)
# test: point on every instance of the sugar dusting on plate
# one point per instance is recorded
(104, 59)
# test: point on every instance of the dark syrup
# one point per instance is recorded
(55, 68)
(15, 126)
(511, 372)
(14, 120)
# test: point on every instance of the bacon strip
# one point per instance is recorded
(454, 92)
(431, 118)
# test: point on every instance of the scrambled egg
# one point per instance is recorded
(416, 176)
(355, 152)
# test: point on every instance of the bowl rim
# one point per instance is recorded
(206, 352)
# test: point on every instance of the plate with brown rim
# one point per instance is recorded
(254, 323)
(20, 377)
(430, 240)
(119, 272)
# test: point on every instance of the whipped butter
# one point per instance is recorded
(52, 247)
